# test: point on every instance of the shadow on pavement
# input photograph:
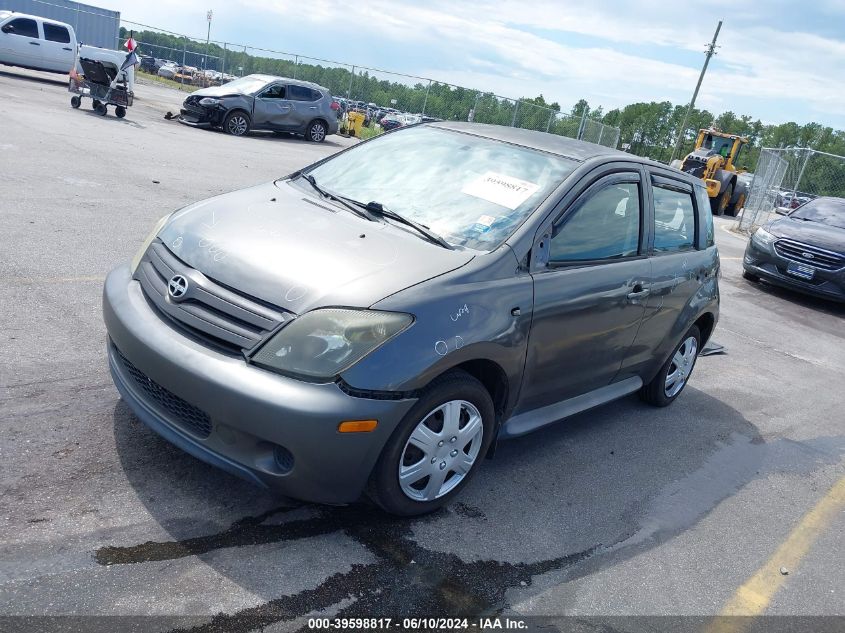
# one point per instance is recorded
(569, 499)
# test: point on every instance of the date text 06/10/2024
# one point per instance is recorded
(416, 624)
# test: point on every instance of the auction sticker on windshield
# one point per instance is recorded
(506, 191)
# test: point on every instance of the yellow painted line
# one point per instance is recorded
(754, 596)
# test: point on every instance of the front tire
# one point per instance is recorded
(316, 131)
(75, 101)
(673, 376)
(120, 112)
(236, 123)
(720, 204)
(436, 448)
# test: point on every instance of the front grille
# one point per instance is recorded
(813, 255)
(186, 415)
(216, 315)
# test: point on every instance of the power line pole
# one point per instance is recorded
(207, 39)
(711, 50)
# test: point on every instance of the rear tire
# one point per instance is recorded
(237, 123)
(75, 101)
(316, 131)
(452, 425)
(120, 112)
(672, 378)
(749, 276)
(101, 109)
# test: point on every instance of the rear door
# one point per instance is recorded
(590, 292)
(56, 47)
(272, 109)
(20, 43)
(680, 263)
(305, 105)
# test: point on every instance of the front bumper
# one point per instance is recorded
(772, 267)
(200, 117)
(251, 411)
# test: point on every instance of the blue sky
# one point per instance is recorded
(778, 61)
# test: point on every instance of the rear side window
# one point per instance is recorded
(56, 33)
(704, 209)
(674, 220)
(605, 225)
(24, 27)
(301, 93)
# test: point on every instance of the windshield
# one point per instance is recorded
(830, 211)
(248, 84)
(719, 144)
(471, 191)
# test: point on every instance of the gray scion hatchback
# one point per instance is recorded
(336, 332)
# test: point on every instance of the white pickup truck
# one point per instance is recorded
(31, 41)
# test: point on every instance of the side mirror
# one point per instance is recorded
(8, 28)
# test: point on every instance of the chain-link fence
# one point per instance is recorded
(787, 178)
(190, 63)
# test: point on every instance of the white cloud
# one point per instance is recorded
(611, 52)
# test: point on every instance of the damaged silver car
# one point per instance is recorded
(264, 102)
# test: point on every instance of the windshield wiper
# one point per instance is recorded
(379, 209)
(332, 196)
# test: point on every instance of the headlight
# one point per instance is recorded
(325, 342)
(763, 239)
(209, 101)
(146, 243)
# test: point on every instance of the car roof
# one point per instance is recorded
(33, 17)
(552, 143)
(290, 80)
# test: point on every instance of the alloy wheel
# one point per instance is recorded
(237, 125)
(441, 451)
(681, 367)
(318, 132)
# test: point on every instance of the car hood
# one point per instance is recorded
(813, 233)
(215, 91)
(296, 251)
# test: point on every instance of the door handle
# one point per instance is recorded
(36, 43)
(65, 48)
(639, 292)
(312, 107)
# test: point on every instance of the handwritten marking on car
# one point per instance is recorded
(464, 309)
(297, 292)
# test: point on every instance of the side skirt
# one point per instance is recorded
(532, 420)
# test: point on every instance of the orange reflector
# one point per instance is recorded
(357, 426)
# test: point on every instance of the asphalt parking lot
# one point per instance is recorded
(624, 510)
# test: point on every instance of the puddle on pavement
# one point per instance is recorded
(408, 578)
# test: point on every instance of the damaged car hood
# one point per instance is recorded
(216, 91)
(300, 252)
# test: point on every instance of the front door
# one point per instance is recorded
(20, 43)
(589, 297)
(272, 110)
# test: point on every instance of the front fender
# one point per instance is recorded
(459, 317)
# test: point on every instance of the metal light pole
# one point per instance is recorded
(207, 39)
(711, 50)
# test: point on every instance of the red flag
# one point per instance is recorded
(131, 44)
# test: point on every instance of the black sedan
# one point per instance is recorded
(804, 250)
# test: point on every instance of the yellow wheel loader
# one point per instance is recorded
(714, 160)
